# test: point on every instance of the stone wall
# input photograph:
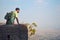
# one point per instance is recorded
(13, 32)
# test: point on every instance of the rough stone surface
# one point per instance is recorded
(13, 32)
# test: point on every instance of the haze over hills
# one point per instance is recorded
(46, 36)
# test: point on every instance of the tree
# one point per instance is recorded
(31, 29)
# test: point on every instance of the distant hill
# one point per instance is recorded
(2, 23)
(46, 37)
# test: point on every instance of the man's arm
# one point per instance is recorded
(17, 20)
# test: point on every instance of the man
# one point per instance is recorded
(13, 16)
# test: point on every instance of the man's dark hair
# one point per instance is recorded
(17, 9)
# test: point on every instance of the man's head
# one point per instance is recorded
(17, 9)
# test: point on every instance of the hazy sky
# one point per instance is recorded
(46, 13)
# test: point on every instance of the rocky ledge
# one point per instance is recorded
(13, 32)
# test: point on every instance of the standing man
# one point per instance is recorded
(10, 17)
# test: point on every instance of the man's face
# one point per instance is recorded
(17, 11)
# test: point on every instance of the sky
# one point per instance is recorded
(46, 13)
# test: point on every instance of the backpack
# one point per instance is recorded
(8, 15)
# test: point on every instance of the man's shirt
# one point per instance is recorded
(16, 14)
